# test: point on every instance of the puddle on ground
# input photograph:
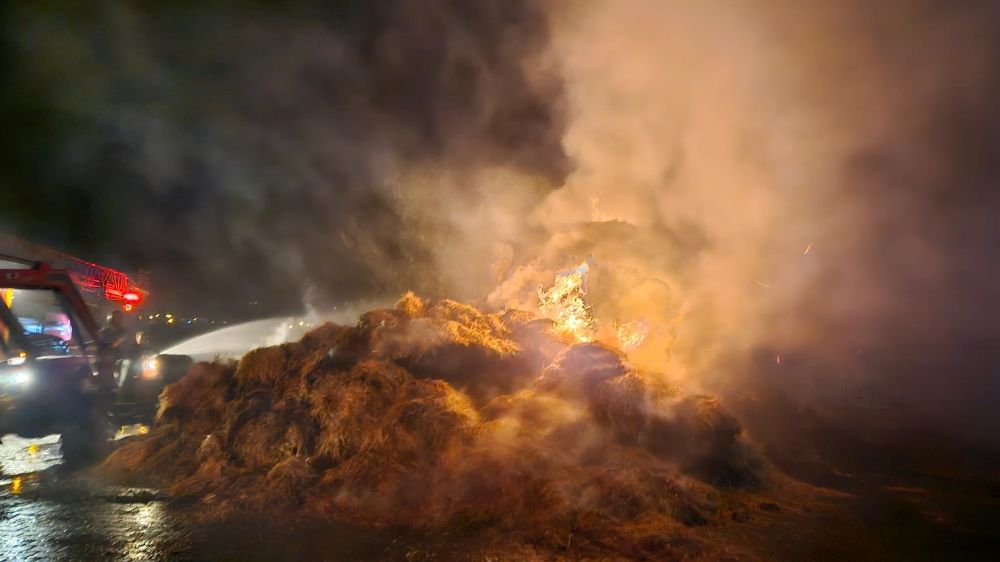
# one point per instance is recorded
(50, 513)
(20, 456)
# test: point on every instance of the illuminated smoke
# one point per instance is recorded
(631, 334)
(565, 303)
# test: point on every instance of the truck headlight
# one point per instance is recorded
(151, 368)
(21, 378)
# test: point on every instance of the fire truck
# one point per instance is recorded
(57, 374)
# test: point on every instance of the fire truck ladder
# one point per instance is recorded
(111, 284)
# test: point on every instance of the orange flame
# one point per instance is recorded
(564, 303)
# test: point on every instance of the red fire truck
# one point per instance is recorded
(57, 375)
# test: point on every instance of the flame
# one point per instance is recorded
(564, 303)
(631, 334)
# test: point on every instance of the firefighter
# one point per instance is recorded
(115, 335)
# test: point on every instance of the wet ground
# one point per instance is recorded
(47, 513)
(51, 513)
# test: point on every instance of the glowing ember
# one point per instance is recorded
(631, 334)
(564, 303)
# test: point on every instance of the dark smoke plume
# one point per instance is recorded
(250, 151)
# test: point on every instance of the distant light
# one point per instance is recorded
(170, 320)
(131, 431)
(131, 297)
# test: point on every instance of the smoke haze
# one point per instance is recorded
(794, 191)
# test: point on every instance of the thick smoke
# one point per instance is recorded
(771, 180)
(253, 153)
(791, 192)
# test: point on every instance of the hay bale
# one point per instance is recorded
(266, 438)
(284, 370)
(263, 367)
(364, 474)
(456, 343)
(191, 408)
(211, 472)
(626, 403)
(411, 305)
(410, 341)
(199, 401)
(429, 415)
(348, 409)
(384, 476)
(578, 370)
(467, 326)
(362, 489)
(425, 417)
(288, 482)
(381, 318)
(541, 341)
(507, 483)
(325, 336)
(329, 345)
(160, 457)
(379, 423)
(211, 449)
(131, 458)
(514, 319)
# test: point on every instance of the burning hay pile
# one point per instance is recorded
(428, 415)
